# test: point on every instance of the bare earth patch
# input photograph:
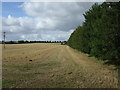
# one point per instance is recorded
(53, 66)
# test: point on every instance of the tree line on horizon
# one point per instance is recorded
(99, 35)
(25, 41)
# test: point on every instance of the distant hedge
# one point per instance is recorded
(99, 35)
(22, 42)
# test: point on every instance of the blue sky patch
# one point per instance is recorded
(13, 9)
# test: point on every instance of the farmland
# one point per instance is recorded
(53, 65)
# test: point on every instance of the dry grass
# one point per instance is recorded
(53, 65)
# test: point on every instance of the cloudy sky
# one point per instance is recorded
(42, 20)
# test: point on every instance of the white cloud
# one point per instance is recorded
(45, 21)
(53, 35)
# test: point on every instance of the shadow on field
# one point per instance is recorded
(117, 65)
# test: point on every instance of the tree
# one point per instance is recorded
(99, 35)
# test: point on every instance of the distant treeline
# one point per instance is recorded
(22, 41)
(99, 35)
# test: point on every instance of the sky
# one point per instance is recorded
(47, 21)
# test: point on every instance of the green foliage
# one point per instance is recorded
(99, 35)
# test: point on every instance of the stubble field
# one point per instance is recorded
(53, 66)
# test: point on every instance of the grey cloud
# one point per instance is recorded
(62, 15)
